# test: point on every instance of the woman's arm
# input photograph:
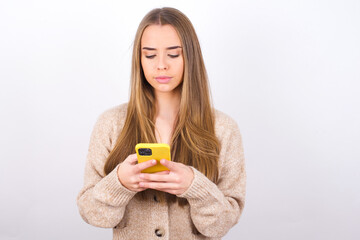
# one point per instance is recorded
(103, 199)
(215, 208)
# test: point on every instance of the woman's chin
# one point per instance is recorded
(164, 89)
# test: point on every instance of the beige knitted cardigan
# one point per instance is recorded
(212, 210)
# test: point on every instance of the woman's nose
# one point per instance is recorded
(162, 65)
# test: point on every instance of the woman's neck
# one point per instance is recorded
(167, 105)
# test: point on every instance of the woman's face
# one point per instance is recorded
(161, 57)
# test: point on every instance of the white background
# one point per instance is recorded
(287, 71)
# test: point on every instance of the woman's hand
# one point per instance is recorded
(176, 181)
(129, 172)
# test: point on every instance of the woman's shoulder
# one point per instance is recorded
(115, 111)
(225, 125)
(223, 120)
(113, 116)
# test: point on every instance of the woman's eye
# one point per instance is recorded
(150, 56)
(173, 56)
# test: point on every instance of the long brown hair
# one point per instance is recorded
(193, 141)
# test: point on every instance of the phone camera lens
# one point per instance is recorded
(145, 151)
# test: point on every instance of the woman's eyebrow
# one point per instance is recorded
(168, 48)
(173, 47)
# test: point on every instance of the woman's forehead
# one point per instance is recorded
(160, 36)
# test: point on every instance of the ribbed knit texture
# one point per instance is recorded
(212, 210)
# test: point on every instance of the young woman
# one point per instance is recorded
(202, 195)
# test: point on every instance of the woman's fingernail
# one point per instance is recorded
(154, 161)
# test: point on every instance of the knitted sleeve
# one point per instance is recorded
(215, 208)
(103, 199)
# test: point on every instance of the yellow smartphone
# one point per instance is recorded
(157, 151)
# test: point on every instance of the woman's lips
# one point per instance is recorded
(163, 79)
